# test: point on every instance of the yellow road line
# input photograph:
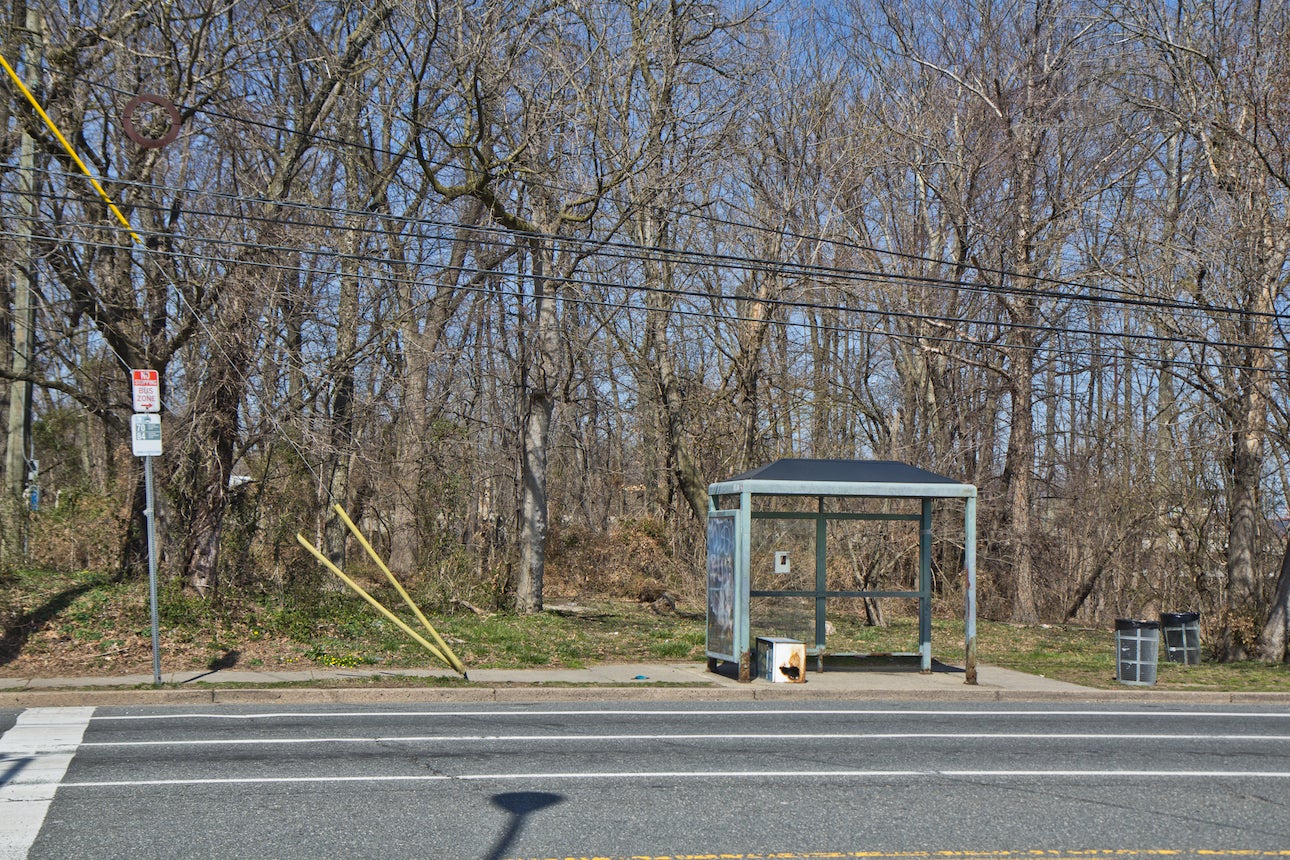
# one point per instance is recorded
(1037, 854)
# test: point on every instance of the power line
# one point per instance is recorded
(637, 253)
(585, 283)
(1114, 297)
(634, 251)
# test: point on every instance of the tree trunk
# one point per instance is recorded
(1018, 472)
(410, 454)
(134, 544)
(14, 516)
(536, 441)
(683, 466)
(1274, 641)
(423, 341)
(1241, 606)
(533, 502)
(1020, 461)
(669, 399)
(344, 360)
(753, 331)
(208, 462)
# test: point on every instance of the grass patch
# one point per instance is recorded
(1078, 655)
(600, 632)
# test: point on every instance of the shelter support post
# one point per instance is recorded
(821, 584)
(743, 585)
(925, 588)
(969, 611)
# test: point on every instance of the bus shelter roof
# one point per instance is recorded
(808, 477)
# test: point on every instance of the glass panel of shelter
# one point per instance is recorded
(807, 552)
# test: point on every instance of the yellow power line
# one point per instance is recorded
(13, 76)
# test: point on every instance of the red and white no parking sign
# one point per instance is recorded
(146, 385)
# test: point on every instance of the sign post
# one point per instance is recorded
(145, 434)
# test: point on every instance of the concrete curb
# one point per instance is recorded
(538, 692)
(613, 682)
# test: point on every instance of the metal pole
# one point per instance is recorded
(821, 583)
(925, 587)
(149, 514)
(743, 584)
(969, 610)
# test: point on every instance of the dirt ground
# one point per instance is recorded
(49, 654)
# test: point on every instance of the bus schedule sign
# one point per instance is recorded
(145, 434)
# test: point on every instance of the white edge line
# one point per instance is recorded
(733, 774)
(744, 712)
(780, 736)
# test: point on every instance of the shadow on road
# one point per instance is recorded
(520, 805)
(15, 767)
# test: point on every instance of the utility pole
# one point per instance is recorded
(18, 427)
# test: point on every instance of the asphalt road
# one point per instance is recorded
(646, 780)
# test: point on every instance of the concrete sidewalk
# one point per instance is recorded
(688, 675)
(614, 681)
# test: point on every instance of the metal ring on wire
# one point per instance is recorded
(172, 113)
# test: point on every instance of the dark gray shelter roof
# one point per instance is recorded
(795, 476)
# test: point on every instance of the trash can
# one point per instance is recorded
(1181, 634)
(1137, 644)
(781, 660)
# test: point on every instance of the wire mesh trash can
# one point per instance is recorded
(1181, 634)
(1137, 644)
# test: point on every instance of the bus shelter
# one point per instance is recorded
(735, 504)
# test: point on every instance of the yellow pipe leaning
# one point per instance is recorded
(452, 658)
(13, 76)
(370, 599)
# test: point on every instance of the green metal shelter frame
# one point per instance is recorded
(730, 546)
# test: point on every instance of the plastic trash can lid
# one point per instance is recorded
(1135, 624)
(1172, 618)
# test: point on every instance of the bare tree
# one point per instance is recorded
(998, 118)
(1225, 86)
(674, 54)
(527, 95)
